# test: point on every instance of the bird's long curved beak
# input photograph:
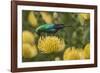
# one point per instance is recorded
(68, 26)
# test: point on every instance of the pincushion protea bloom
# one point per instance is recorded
(84, 16)
(28, 37)
(32, 19)
(29, 51)
(87, 51)
(50, 44)
(72, 54)
(47, 17)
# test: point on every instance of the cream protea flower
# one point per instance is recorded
(50, 44)
(87, 51)
(55, 15)
(57, 58)
(71, 54)
(28, 37)
(32, 19)
(29, 51)
(47, 17)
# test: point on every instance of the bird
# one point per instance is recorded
(49, 28)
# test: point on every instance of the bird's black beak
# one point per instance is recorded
(68, 26)
(59, 25)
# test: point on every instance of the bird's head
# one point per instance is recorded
(59, 26)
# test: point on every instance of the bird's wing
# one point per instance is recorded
(45, 27)
(49, 26)
(51, 30)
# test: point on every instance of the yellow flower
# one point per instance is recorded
(71, 54)
(28, 37)
(50, 44)
(32, 19)
(81, 53)
(29, 51)
(84, 16)
(87, 51)
(47, 17)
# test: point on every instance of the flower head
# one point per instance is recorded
(32, 19)
(71, 54)
(87, 51)
(50, 44)
(29, 51)
(28, 37)
(84, 16)
(47, 17)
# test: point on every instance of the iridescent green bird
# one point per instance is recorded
(49, 28)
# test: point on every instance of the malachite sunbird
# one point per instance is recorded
(49, 28)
